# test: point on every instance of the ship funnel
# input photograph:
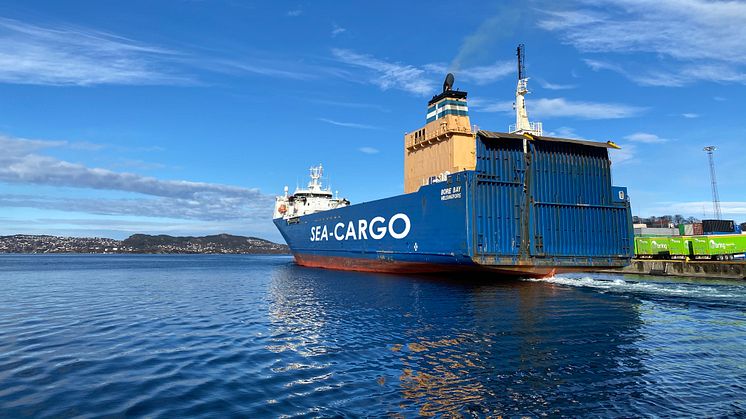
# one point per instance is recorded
(444, 145)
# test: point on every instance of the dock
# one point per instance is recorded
(692, 268)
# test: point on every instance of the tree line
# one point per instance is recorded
(666, 220)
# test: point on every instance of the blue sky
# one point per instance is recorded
(187, 117)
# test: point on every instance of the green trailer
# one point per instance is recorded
(652, 247)
(719, 247)
(679, 247)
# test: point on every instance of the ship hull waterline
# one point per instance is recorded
(406, 268)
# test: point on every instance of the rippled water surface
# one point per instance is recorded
(255, 336)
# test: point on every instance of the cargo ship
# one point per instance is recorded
(515, 203)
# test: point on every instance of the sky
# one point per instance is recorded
(188, 117)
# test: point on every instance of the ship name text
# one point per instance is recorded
(450, 193)
(377, 228)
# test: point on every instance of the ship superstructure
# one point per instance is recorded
(315, 198)
(444, 145)
(516, 203)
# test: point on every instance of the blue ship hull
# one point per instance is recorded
(530, 209)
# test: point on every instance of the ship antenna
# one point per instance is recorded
(522, 124)
(520, 51)
(448, 82)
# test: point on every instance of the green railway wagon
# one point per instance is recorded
(679, 247)
(719, 247)
(652, 247)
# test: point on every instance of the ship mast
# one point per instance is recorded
(316, 172)
(522, 124)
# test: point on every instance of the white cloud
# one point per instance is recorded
(336, 30)
(553, 86)
(65, 55)
(561, 108)
(479, 75)
(479, 104)
(347, 124)
(624, 156)
(488, 73)
(644, 137)
(686, 40)
(21, 163)
(681, 29)
(13, 146)
(137, 164)
(388, 75)
(207, 207)
(368, 150)
(20, 146)
(690, 115)
(644, 77)
(346, 104)
(265, 67)
(672, 76)
(603, 65)
(422, 80)
(564, 132)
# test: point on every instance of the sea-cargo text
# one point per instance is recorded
(377, 228)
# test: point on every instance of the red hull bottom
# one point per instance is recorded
(397, 267)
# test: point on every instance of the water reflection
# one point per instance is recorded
(296, 314)
(251, 336)
(456, 346)
(439, 378)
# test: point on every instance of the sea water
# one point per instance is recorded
(258, 336)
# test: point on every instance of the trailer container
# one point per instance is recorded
(679, 247)
(652, 247)
(718, 246)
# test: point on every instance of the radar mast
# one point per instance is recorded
(522, 124)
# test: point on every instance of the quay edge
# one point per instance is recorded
(704, 269)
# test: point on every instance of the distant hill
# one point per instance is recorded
(140, 243)
(220, 243)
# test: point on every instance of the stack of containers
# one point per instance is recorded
(686, 229)
(718, 226)
(694, 229)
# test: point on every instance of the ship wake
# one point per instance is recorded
(723, 291)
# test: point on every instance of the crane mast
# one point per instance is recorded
(522, 124)
(714, 183)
